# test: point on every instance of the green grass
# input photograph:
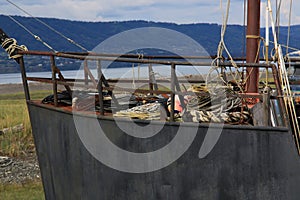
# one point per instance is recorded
(28, 191)
(13, 111)
(20, 95)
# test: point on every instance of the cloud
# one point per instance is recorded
(178, 11)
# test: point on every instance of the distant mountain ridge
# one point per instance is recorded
(90, 34)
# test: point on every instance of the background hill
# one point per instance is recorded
(90, 34)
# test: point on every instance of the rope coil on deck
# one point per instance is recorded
(11, 47)
(214, 108)
(208, 116)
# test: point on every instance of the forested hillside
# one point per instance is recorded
(90, 34)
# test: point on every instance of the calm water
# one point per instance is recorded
(137, 72)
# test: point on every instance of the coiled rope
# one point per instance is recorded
(222, 47)
(202, 116)
(216, 107)
(11, 47)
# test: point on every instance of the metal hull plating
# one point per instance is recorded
(246, 163)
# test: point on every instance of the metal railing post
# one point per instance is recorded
(24, 78)
(86, 75)
(266, 106)
(53, 69)
(100, 87)
(173, 67)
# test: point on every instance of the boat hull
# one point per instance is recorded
(246, 163)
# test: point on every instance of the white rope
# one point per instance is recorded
(288, 99)
(290, 48)
(227, 117)
(273, 28)
(222, 47)
(140, 56)
(10, 45)
(133, 77)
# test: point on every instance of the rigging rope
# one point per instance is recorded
(222, 47)
(206, 109)
(257, 53)
(291, 48)
(277, 22)
(287, 93)
(273, 29)
(289, 27)
(133, 77)
(31, 33)
(288, 99)
(48, 26)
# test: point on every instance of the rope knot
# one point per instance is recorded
(253, 37)
(11, 47)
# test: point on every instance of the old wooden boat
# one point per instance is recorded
(89, 153)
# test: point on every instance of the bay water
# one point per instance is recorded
(136, 72)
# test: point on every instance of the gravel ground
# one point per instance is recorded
(18, 171)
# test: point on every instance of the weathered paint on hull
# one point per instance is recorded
(246, 163)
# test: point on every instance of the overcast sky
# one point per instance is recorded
(177, 11)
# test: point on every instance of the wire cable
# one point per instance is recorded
(32, 34)
(289, 27)
(48, 26)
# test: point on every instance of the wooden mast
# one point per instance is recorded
(252, 43)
